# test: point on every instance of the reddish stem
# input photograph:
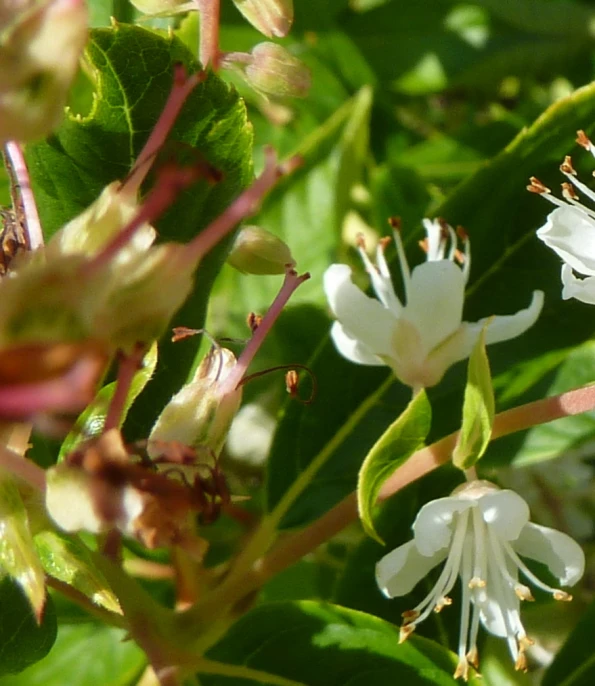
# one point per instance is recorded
(208, 49)
(127, 368)
(182, 87)
(172, 180)
(291, 282)
(32, 227)
(243, 206)
(296, 545)
(22, 468)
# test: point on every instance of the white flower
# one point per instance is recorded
(570, 230)
(421, 339)
(479, 531)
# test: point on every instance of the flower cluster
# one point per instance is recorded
(421, 338)
(570, 229)
(480, 532)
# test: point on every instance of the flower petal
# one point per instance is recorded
(351, 348)
(435, 301)
(402, 569)
(505, 512)
(562, 555)
(501, 328)
(581, 289)
(491, 612)
(570, 233)
(363, 318)
(433, 526)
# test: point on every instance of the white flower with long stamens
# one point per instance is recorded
(570, 230)
(479, 532)
(421, 339)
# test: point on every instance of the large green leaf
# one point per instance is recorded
(22, 640)
(508, 263)
(319, 644)
(402, 438)
(86, 655)
(131, 70)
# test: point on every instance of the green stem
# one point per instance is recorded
(243, 672)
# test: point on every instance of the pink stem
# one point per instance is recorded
(23, 468)
(128, 366)
(32, 223)
(296, 545)
(243, 206)
(208, 49)
(171, 181)
(291, 282)
(181, 88)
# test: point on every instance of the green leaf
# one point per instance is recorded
(86, 655)
(320, 644)
(478, 408)
(68, 560)
(132, 73)
(22, 640)
(402, 438)
(574, 665)
(17, 550)
(90, 423)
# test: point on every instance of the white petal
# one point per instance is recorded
(402, 569)
(351, 348)
(571, 234)
(491, 611)
(505, 512)
(435, 303)
(562, 555)
(363, 318)
(433, 528)
(500, 328)
(581, 289)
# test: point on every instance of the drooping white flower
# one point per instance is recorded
(422, 338)
(570, 230)
(479, 532)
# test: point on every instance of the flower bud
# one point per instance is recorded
(39, 55)
(270, 17)
(200, 415)
(92, 230)
(274, 71)
(258, 251)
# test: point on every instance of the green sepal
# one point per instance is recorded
(478, 408)
(402, 438)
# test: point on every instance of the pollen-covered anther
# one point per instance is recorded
(360, 241)
(462, 233)
(473, 657)
(566, 166)
(525, 643)
(583, 140)
(291, 382)
(568, 192)
(477, 582)
(521, 663)
(443, 602)
(462, 670)
(523, 592)
(536, 186)
(562, 596)
(385, 242)
(409, 616)
(405, 631)
(395, 223)
(254, 321)
(423, 244)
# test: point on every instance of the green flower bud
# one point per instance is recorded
(274, 71)
(40, 47)
(200, 415)
(270, 17)
(94, 228)
(258, 251)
